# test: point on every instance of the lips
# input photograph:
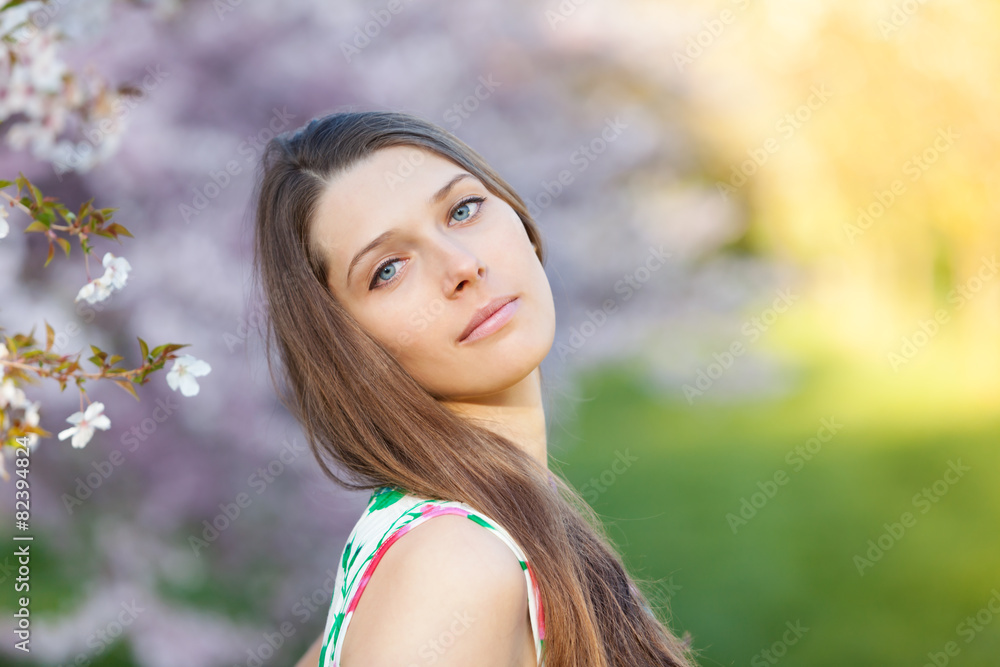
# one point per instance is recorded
(484, 314)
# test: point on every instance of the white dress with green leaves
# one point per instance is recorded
(390, 514)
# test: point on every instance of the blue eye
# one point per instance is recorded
(385, 271)
(465, 206)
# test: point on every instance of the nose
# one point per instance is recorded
(461, 266)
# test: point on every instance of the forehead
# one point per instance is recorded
(394, 170)
(374, 195)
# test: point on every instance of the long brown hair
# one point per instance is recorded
(369, 423)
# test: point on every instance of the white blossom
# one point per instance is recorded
(15, 16)
(31, 418)
(85, 423)
(96, 290)
(116, 270)
(4, 227)
(115, 274)
(183, 374)
(38, 85)
(11, 395)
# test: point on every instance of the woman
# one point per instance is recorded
(406, 296)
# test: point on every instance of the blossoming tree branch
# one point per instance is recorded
(38, 87)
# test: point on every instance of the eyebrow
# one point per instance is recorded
(385, 236)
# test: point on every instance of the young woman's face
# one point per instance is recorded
(447, 247)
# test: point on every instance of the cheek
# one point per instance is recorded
(410, 334)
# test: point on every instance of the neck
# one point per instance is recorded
(516, 413)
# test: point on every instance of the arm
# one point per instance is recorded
(311, 658)
(447, 592)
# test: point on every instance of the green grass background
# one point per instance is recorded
(794, 561)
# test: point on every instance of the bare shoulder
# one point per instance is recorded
(448, 591)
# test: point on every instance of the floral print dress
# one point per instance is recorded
(390, 514)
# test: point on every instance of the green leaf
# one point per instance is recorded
(144, 349)
(127, 386)
(116, 229)
(168, 348)
(84, 208)
(12, 3)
